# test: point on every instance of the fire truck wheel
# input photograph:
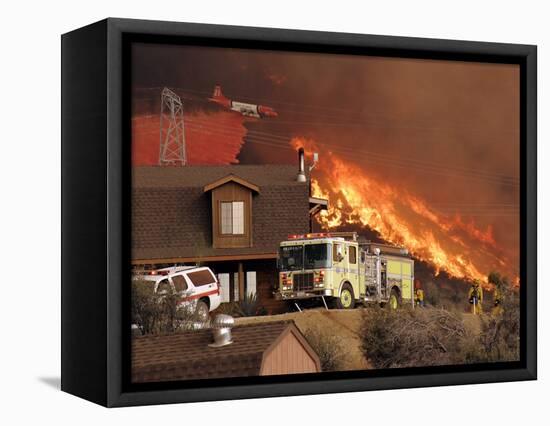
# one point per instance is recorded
(202, 310)
(394, 301)
(346, 299)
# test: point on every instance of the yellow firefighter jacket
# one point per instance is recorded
(475, 291)
(498, 296)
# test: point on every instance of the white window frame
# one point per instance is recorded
(235, 224)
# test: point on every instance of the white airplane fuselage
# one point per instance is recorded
(249, 110)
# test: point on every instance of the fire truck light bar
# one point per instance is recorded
(304, 236)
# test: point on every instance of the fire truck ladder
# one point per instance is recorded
(172, 135)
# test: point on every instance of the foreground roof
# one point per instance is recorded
(187, 356)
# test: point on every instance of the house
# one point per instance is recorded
(230, 218)
(258, 349)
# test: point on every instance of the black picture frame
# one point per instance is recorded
(95, 211)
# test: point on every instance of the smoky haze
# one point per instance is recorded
(446, 132)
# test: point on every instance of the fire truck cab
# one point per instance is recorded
(337, 267)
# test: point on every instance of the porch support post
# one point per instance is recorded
(241, 281)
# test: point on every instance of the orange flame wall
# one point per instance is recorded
(448, 243)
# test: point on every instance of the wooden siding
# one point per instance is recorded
(231, 192)
(288, 357)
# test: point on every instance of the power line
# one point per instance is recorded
(301, 110)
(368, 156)
(224, 129)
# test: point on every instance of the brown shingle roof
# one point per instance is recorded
(187, 356)
(200, 176)
(171, 214)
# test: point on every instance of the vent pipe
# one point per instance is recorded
(301, 166)
(221, 330)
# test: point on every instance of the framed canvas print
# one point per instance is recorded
(253, 212)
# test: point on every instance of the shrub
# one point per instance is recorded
(328, 347)
(458, 296)
(158, 313)
(499, 337)
(250, 306)
(432, 293)
(228, 308)
(411, 337)
(145, 310)
(434, 336)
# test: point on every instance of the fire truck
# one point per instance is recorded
(337, 267)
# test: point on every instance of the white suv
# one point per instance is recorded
(197, 286)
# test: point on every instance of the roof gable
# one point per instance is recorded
(292, 329)
(231, 178)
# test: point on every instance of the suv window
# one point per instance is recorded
(179, 282)
(199, 278)
(164, 287)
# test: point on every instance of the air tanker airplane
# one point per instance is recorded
(249, 110)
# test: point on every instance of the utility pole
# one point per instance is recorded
(172, 136)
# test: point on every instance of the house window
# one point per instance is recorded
(232, 217)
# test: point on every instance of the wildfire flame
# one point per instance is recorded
(447, 242)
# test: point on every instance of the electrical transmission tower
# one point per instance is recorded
(172, 135)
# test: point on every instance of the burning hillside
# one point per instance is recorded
(449, 243)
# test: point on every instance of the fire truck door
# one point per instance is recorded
(337, 260)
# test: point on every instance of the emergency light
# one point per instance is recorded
(311, 235)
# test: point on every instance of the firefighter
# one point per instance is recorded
(497, 299)
(418, 294)
(475, 297)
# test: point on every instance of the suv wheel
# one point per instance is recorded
(202, 311)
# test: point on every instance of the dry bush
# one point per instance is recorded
(250, 306)
(157, 313)
(432, 294)
(145, 307)
(228, 308)
(432, 336)
(500, 333)
(328, 347)
(411, 337)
